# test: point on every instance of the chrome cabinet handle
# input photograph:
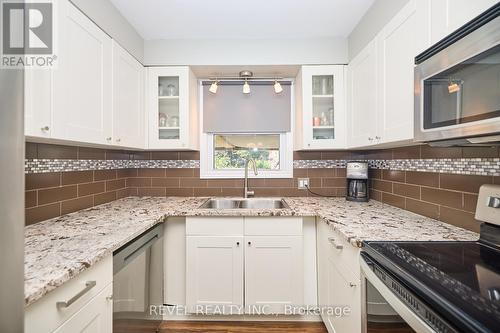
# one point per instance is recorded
(249, 243)
(45, 128)
(337, 246)
(88, 285)
(108, 139)
(118, 140)
(109, 298)
(370, 139)
(352, 284)
(237, 243)
(378, 138)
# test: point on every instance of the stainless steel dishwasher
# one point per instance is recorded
(138, 283)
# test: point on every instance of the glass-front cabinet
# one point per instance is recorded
(320, 108)
(172, 108)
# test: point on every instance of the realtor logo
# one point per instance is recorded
(27, 34)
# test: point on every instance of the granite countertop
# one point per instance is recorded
(56, 250)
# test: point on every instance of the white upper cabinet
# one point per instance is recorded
(362, 97)
(320, 108)
(82, 94)
(380, 79)
(128, 100)
(449, 15)
(172, 108)
(397, 45)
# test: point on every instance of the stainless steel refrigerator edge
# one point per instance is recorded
(11, 201)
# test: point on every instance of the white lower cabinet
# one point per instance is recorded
(254, 269)
(95, 317)
(273, 273)
(339, 290)
(214, 271)
(88, 308)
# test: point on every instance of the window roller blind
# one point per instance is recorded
(261, 111)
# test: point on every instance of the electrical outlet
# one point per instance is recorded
(303, 183)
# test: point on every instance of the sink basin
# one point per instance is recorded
(221, 204)
(263, 204)
(216, 203)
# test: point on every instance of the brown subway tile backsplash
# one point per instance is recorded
(74, 205)
(42, 180)
(50, 195)
(77, 177)
(91, 188)
(41, 213)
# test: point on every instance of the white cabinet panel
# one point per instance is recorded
(172, 108)
(82, 81)
(449, 15)
(128, 100)
(320, 104)
(95, 317)
(38, 87)
(345, 293)
(273, 272)
(398, 44)
(362, 97)
(214, 271)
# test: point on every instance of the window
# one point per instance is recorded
(238, 127)
(232, 150)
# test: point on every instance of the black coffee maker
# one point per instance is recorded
(357, 181)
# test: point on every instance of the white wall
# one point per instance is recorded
(372, 22)
(246, 52)
(109, 19)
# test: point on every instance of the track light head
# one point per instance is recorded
(213, 87)
(277, 87)
(246, 87)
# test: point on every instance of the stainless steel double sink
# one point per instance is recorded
(245, 203)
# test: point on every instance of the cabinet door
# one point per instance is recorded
(449, 15)
(362, 97)
(344, 293)
(398, 44)
(168, 105)
(38, 88)
(323, 108)
(82, 81)
(95, 317)
(214, 272)
(128, 100)
(273, 273)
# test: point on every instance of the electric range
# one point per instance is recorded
(438, 286)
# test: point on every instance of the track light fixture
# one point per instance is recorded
(277, 87)
(213, 87)
(246, 87)
(246, 76)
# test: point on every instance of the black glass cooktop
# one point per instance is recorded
(460, 280)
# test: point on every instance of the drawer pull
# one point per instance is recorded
(88, 285)
(352, 284)
(337, 246)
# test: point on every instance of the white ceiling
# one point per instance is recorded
(242, 19)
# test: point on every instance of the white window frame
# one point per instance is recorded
(207, 170)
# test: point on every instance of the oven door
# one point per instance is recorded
(457, 90)
(384, 311)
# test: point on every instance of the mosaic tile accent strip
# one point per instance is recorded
(463, 166)
(56, 165)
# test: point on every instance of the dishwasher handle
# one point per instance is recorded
(132, 250)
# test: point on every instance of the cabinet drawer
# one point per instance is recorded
(214, 226)
(45, 316)
(273, 226)
(343, 253)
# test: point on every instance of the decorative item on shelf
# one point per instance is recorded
(162, 121)
(161, 90)
(316, 121)
(171, 90)
(331, 117)
(324, 86)
(324, 119)
(173, 121)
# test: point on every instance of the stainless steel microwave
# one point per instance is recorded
(457, 85)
